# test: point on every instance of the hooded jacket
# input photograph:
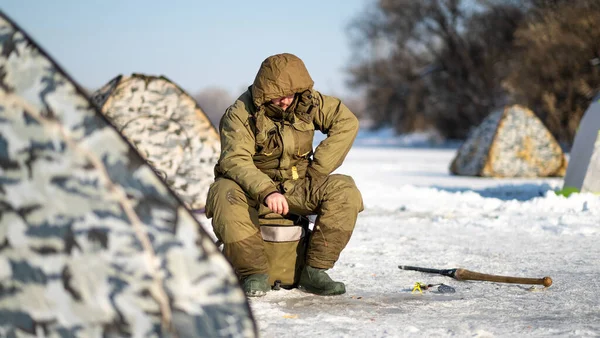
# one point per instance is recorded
(263, 146)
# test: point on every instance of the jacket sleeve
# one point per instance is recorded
(235, 163)
(341, 126)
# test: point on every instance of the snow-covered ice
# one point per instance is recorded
(416, 213)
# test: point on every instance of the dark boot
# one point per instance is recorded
(256, 285)
(317, 281)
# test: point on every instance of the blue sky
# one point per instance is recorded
(197, 44)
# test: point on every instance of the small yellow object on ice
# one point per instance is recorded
(290, 316)
(417, 287)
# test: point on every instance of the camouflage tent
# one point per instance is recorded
(510, 143)
(583, 173)
(168, 128)
(92, 242)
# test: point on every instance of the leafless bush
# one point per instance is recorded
(449, 63)
(432, 63)
(553, 71)
(213, 102)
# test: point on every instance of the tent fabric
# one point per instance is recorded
(510, 143)
(93, 243)
(168, 128)
(591, 182)
(583, 173)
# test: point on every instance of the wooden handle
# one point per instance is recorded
(464, 274)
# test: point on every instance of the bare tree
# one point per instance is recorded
(433, 62)
(356, 104)
(449, 63)
(472, 64)
(554, 69)
(214, 101)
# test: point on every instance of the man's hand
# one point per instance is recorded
(277, 203)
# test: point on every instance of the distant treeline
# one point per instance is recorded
(214, 101)
(446, 64)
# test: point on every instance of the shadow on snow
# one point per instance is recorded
(508, 192)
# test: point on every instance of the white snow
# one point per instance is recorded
(416, 213)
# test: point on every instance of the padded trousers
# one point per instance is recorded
(335, 200)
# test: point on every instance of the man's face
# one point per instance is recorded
(283, 102)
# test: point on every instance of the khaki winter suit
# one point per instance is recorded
(265, 150)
